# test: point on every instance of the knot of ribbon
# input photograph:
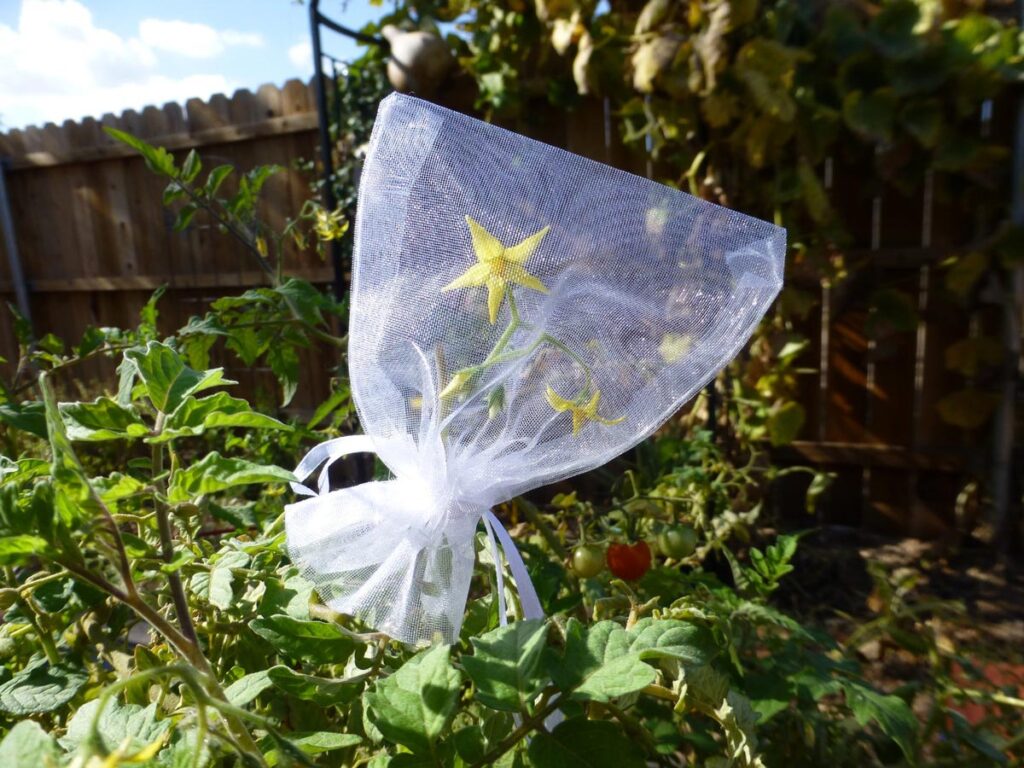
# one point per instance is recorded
(397, 553)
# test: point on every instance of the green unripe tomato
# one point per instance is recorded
(678, 541)
(588, 560)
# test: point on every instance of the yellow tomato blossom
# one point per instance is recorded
(330, 225)
(498, 266)
(580, 413)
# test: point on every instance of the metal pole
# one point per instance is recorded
(1013, 307)
(11, 246)
(326, 148)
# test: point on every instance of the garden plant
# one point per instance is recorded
(152, 616)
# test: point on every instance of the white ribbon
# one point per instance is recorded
(325, 454)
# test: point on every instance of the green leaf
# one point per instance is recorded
(27, 745)
(871, 114)
(216, 178)
(168, 380)
(221, 593)
(195, 415)
(598, 664)
(506, 665)
(102, 419)
(14, 549)
(186, 213)
(314, 641)
(41, 687)
(284, 362)
(672, 639)
(28, 417)
(158, 159)
(923, 120)
(215, 473)
(413, 706)
(968, 408)
(323, 691)
(120, 724)
(246, 689)
(192, 166)
(785, 422)
(890, 713)
(315, 743)
(583, 743)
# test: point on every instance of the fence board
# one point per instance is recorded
(96, 242)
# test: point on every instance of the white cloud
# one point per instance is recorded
(195, 41)
(301, 56)
(57, 64)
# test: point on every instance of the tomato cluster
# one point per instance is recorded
(632, 561)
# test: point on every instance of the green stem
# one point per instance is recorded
(45, 639)
(163, 522)
(529, 724)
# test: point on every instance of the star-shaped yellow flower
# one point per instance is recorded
(580, 413)
(497, 266)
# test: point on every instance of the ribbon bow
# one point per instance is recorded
(397, 553)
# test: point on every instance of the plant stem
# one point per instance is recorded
(163, 523)
(509, 742)
(45, 639)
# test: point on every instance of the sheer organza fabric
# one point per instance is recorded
(519, 315)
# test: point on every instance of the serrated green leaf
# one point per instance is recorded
(41, 687)
(215, 473)
(168, 380)
(413, 706)
(195, 415)
(583, 743)
(598, 664)
(506, 665)
(314, 641)
(102, 419)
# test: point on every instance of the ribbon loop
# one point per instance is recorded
(366, 536)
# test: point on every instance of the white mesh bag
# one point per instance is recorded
(519, 315)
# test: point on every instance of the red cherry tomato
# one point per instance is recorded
(629, 561)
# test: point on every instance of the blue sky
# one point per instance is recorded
(67, 59)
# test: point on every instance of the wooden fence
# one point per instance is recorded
(95, 242)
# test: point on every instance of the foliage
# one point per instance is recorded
(151, 615)
(751, 104)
